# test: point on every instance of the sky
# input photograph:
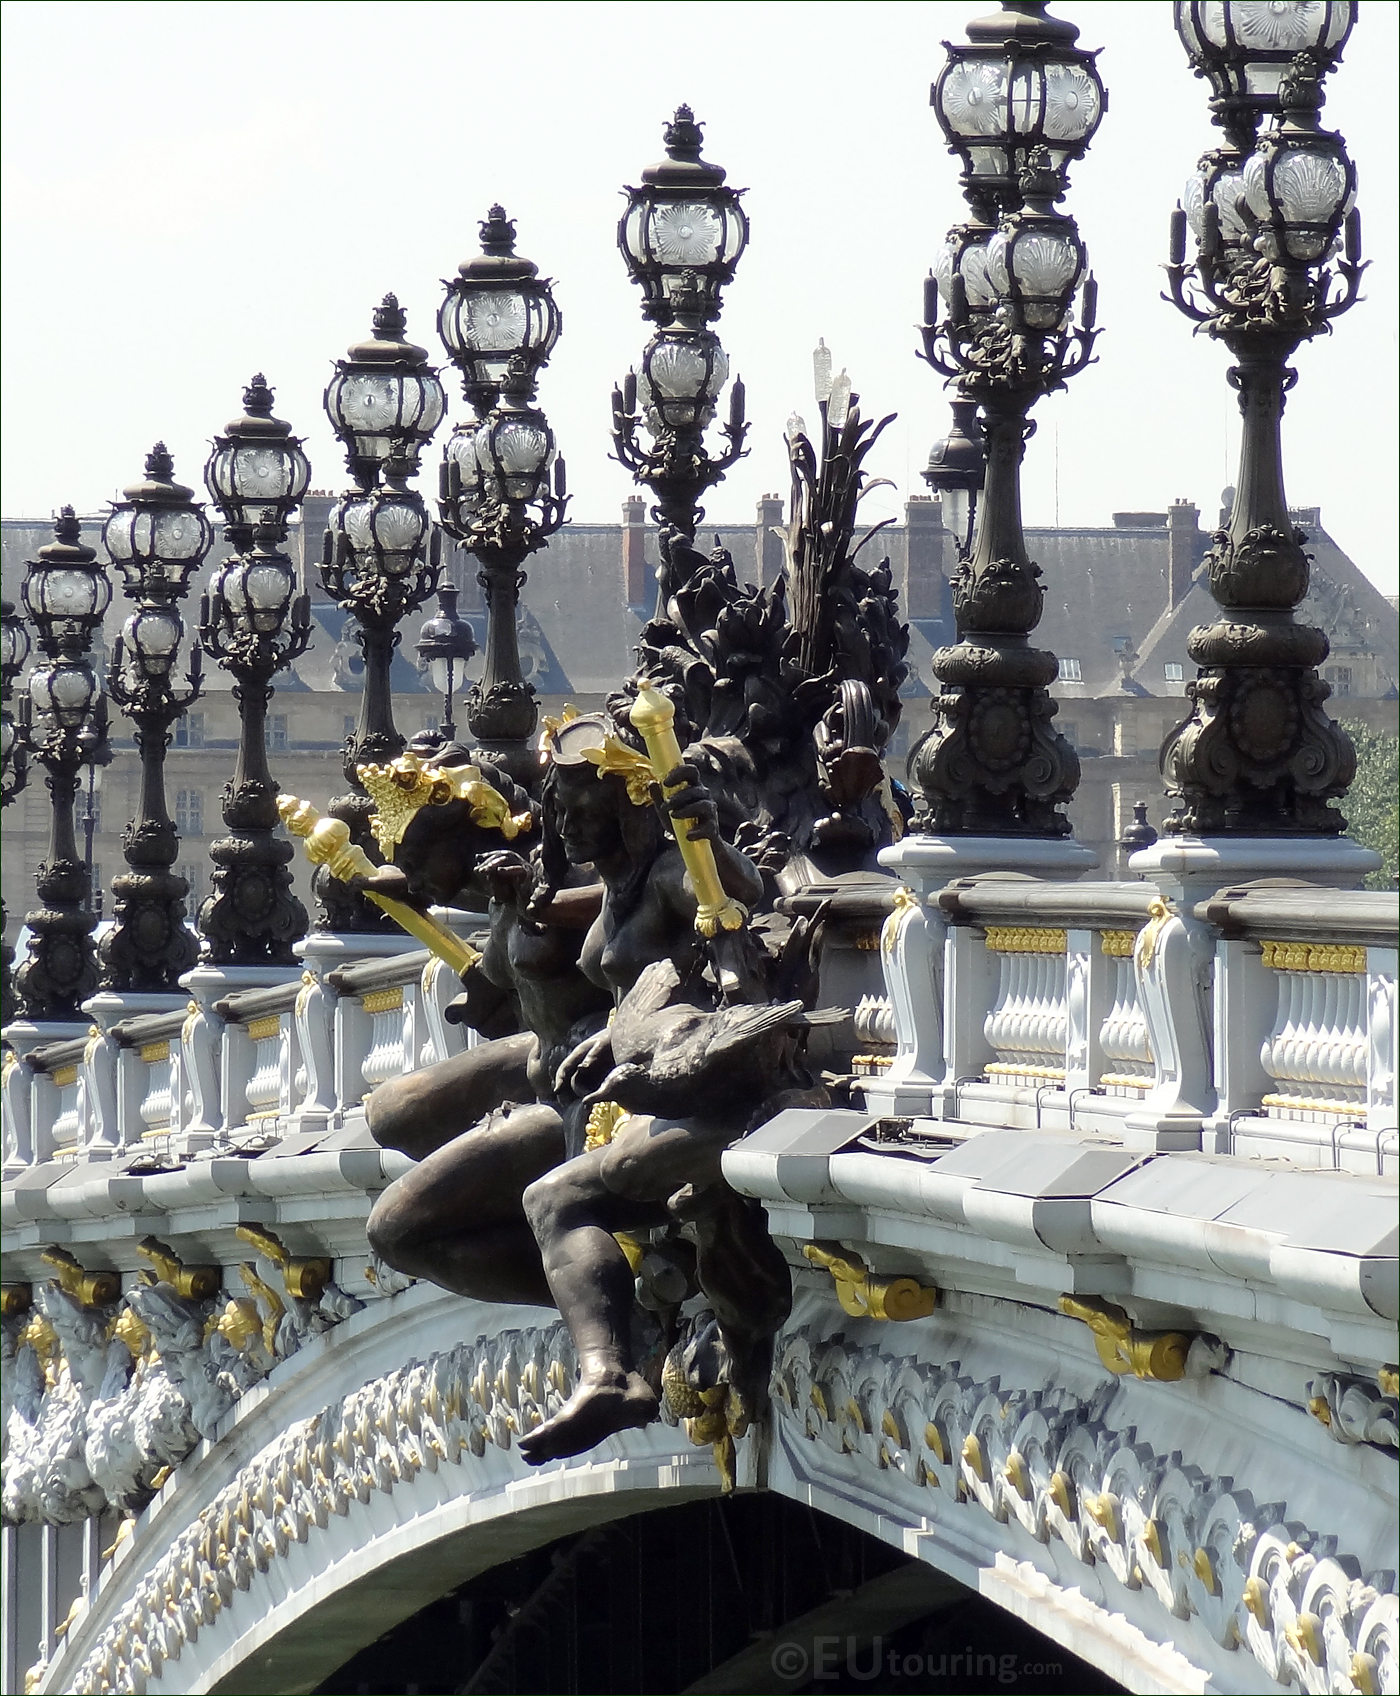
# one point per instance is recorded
(192, 193)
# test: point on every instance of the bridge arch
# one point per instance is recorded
(375, 1471)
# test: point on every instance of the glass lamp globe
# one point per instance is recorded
(157, 536)
(515, 445)
(1018, 84)
(152, 637)
(963, 256)
(64, 692)
(685, 370)
(384, 531)
(1219, 182)
(514, 453)
(257, 473)
(385, 400)
(1299, 182)
(498, 308)
(14, 645)
(65, 591)
(258, 590)
(683, 218)
(1244, 47)
(459, 478)
(1035, 262)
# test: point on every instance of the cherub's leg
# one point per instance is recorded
(424, 1110)
(456, 1219)
(574, 1212)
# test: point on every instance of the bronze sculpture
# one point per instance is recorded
(641, 999)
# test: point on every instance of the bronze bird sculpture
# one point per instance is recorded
(675, 1058)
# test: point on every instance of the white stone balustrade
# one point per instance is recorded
(1316, 1052)
(1305, 1026)
(1124, 1038)
(1028, 1026)
(56, 1098)
(1262, 1021)
(259, 1058)
(1050, 1006)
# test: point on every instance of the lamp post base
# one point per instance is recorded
(251, 916)
(1189, 868)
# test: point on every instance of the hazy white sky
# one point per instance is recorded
(195, 192)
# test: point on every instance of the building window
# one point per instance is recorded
(189, 731)
(1339, 676)
(1172, 671)
(277, 733)
(1071, 672)
(193, 873)
(189, 812)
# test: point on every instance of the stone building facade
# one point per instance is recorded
(1120, 602)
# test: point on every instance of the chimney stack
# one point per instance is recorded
(634, 551)
(768, 548)
(926, 592)
(1183, 550)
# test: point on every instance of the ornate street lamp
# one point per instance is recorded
(1243, 49)
(683, 225)
(444, 645)
(65, 593)
(257, 473)
(381, 555)
(157, 537)
(1018, 85)
(1277, 259)
(498, 308)
(384, 401)
(502, 489)
(955, 472)
(1018, 105)
(14, 771)
(253, 622)
(681, 237)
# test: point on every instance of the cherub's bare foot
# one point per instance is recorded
(597, 1409)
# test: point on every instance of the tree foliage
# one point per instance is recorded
(1372, 804)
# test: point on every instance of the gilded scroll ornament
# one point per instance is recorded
(1159, 1355)
(864, 1297)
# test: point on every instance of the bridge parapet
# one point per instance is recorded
(1091, 1121)
(1260, 1021)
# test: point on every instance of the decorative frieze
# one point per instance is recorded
(104, 1389)
(1257, 1581)
(444, 1411)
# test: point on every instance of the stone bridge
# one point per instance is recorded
(1095, 1300)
